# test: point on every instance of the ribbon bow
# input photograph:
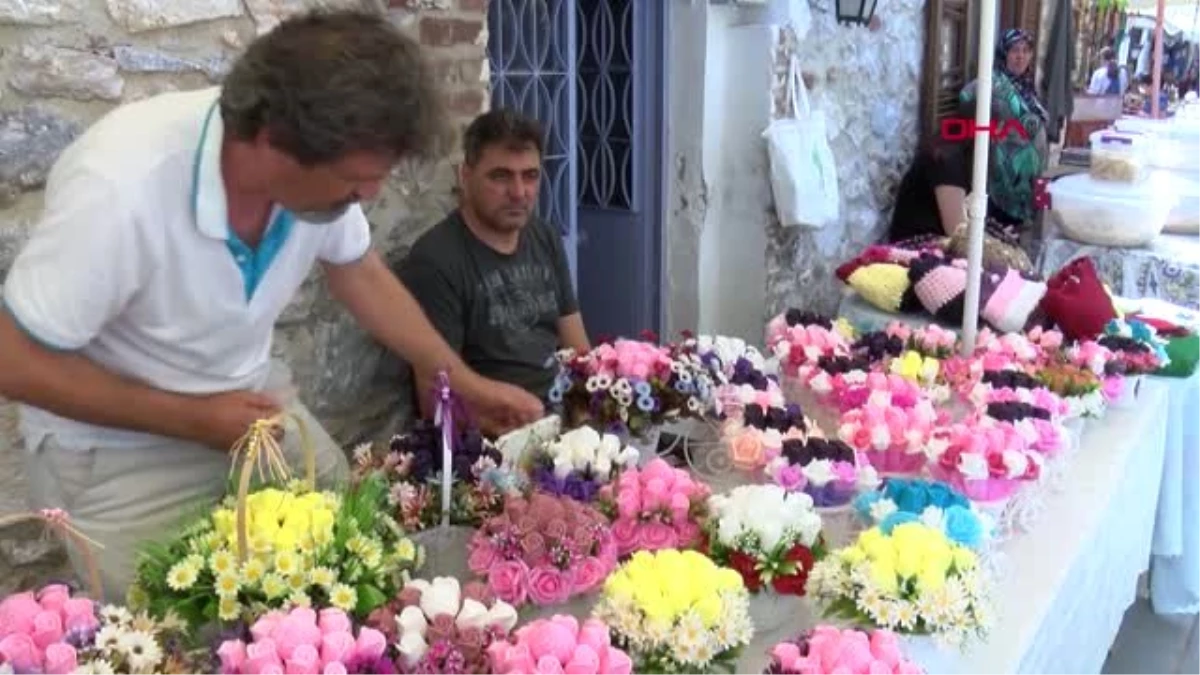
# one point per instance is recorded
(59, 521)
(448, 408)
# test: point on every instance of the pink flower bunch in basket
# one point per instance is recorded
(829, 649)
(886, 389)
(984, 461)
(931, 340)
(892, 439)
(560, 644)
(656, 507)
(751, 448)
(545, 550)
(303, 641)
(1050, 342)
(1041, 398)
(40, 632)
(1091, 355)
(734, 398)
(804, 345)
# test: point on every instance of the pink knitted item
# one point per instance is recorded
(985, 491)
(939, 286)
(1013, 301)
(895, 461)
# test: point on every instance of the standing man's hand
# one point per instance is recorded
(222, 419)
(502, 407)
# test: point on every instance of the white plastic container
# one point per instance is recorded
(1185, 217)
(1176, 140)
(1107, 213)
(1121, 155)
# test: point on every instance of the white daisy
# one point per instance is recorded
(115, 616)
(109, 637)
(96, 667)
(141, 651)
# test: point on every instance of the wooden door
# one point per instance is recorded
(948, 60)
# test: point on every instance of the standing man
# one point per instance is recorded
(493, 277)
(137, 322)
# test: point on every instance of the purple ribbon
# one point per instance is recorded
(447, 409)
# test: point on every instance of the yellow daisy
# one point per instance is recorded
(343, 597)
(274, 587)
(222, 562)
(253, 571)
(322, 576)
(228, 584)
(406, 550)
(182, 576)
(287, 563)
(227, 608)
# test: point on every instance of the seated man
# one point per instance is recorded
(492, 277)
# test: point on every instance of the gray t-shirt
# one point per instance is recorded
(500, 312)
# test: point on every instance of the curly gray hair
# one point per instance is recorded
(327, 83)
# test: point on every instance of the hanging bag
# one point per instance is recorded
(803, 173)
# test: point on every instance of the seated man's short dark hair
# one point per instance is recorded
(502, 126)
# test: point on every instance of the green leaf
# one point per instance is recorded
(369, 598)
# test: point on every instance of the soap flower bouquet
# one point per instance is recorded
(829, 649)
(339, 549)
(1048, 341)
(853, 391)
(1007, 347)
(830, 376)
(925, 371)
(630, 388)
(987, 463)
(579, 462)
(1037, 431)
(911, 581)
(803, 345)
(779, 328)
(438, 626)
(53, 630)
(758, 437)
(1040, 398)
(827, 470)
(303, 640)
(1105, 363)
(724, 355)
(655, 507)
(411, 467)
(745, 387)
(560, 644)
(937, 505)
(878, 346)
(1136, 345)
(676, 612)
(770, 536)
(932, 340)
(1079, 388)
(543, 550)
(892, 439)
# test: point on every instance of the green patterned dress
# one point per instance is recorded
(1013, 162)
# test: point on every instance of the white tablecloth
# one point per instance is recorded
(1067, 583)
(1175, 569)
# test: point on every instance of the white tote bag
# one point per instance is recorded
(803, 174)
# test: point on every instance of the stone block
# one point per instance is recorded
(436, 31)
(33, 12)
(31, 138)
(138, 60)
(66, 73)
(143, 15)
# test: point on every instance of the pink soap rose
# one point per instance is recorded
(79, 614)
(655, 536)
(908, 668)
(548, 665)
(615, 662)
(687, 534)
(549, 585)
(334, 668)
(60, 659)
(47, 628)
(261, 654)
(53, 597)
(507, 579)
(629, 502)
(17, 612)
(594, 633)
(265, 626)
(589, 575)
(885, 647)
(337, 646)
(370, 644)
(304, 660)
(20, 651)
(233, 656)
(585, 661)
(481, 557)
(625, 535)
(550, 639)
(333, 620)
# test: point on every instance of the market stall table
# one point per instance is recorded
(1168, 269)
(1175, 568)
(1065, 584)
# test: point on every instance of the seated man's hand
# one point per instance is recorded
(501, 407)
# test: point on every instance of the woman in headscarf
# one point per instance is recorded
(1015, 160)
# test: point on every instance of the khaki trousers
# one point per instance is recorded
(123, 497)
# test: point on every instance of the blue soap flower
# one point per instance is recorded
(556, 394)
(897, 518)
(963, 526)
(863, 504)
(892, 487)
(645, 403)
(911, 499)
(642, 388)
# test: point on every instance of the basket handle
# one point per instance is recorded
(259, 448)
(58, 521)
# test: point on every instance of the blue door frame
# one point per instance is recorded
(593, 72)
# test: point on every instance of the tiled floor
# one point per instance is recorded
(1154, 644)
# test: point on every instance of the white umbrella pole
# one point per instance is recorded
(977, 200)
(1156, 70)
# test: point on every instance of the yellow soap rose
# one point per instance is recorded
(709, 609)
(884, 575)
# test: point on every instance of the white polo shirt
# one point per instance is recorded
(134, 264)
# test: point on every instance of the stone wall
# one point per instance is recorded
(64, 63)
(868, 85)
